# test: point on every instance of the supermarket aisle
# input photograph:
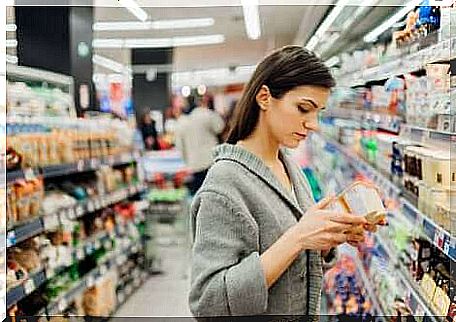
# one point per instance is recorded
(165, 294)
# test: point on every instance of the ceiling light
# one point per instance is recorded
(148, 42)
(198, 40)
(328, 43)
(158, 42)
(186, 91)
(358, 12)
(332, 61)
(107, 43)
(183, 23)
(11, 27)
(135, 9)
(11, 43)
(373, 35)
(158, 24)
(324, 26)
(11, 59)
(110, 64)
(251, 18)
(121, 25)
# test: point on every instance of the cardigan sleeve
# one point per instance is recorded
(227, 276)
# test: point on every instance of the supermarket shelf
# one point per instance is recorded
(29, 73)
(406, 64)
(367, 284)
(427, 136)
(18, 292)
(139, 279)
(366, 169)
(382, 120)
(41, 224)
(71, 168)
(37, 279)
(436, 234)
(405, 277)
(114, 260)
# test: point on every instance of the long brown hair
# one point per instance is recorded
(281, 71)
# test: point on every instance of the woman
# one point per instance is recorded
(260, 243)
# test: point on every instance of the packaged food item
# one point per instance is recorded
(361, 199)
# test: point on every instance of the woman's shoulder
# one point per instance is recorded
(224, 175)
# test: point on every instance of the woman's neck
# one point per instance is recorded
(262, 146)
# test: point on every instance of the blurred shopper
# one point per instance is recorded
(196, 136)
(260, 242)
(149, 133)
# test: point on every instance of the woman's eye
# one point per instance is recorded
(302, 109)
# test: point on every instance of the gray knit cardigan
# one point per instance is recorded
(238, 213)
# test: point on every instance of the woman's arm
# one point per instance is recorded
(227, 275)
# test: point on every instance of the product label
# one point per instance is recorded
(50, 222)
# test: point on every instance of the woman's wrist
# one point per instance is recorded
(294, 239)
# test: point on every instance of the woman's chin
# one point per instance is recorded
(291, 144)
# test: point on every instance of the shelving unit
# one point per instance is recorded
(423, 225)
(72, 168)
(39, 225)
(433, 232)
(404, 275)
(407, 63)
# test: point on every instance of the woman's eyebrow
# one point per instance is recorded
(309, 100)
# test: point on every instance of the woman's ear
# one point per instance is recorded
(263, 97)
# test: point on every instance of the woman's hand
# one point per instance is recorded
(321, 229)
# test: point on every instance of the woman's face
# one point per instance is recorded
(291, 118)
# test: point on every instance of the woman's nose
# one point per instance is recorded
(312, 125)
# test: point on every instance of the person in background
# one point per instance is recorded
(195, 136)
(149, 133)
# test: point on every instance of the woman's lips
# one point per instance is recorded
(300, 135)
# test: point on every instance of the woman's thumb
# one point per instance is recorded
(323, 203)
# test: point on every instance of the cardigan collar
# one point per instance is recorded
(255, 165)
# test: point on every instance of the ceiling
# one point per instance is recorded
(291, 22)
(279, 26)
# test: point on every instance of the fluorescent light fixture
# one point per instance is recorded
(110, 64)
(158, 42)
(135, 9)
(324, 26)
(11, 43)
(361, 9)
(107, 43)
(182, 23)
(158, 24)
(121, 25)
(334, 60)
(251, 18)
(12, 59)
(373, 35)
(328, 43)
(11, 27)
(148, 42)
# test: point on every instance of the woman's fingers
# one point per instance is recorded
(345, 218)
(338, 239)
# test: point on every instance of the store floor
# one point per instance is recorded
(165, 295)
